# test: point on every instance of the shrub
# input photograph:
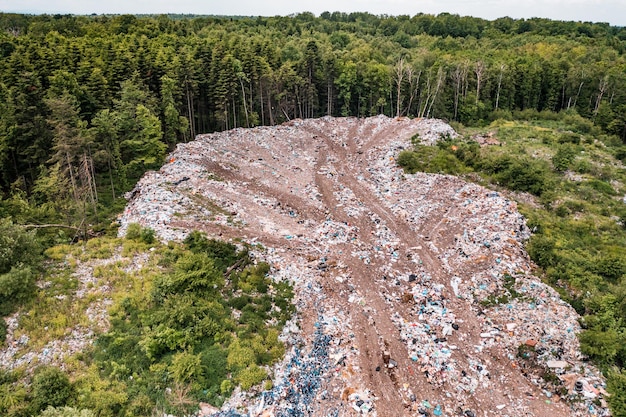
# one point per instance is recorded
(186, 367)
(616, 386)
(569, 137)
(223, 254)
(16, 286)
(3, 330)
(601, 186)
(250, 376)
(563, 158)
(500, 115)
(578, 123)
(214, 363)
(611, 267)
(226, 387)
(140, 234)
(541, 249)
(51, 387)
(147, 236)
(133, 232)
(528, 176)
(17, 246)
(601, 346)
(430, 159)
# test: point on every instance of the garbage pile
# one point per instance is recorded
(414, 293)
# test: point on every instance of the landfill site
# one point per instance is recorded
(414, 294)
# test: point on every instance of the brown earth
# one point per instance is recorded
(397, 269)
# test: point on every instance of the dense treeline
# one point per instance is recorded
(94, 100)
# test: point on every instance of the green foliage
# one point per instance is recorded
(17, 246)
(20, 257)
(222, 253)
(563, 158)
(66, 412)
(16, 287)
(601, 186)
(133, 232)
(50, 387)
(250, 376)
(541, 249)
(226, 387)
(430, 159)
(3, 331)
(611, 266)
(601, 346)
(182, 333)
(519, 174)
(525, 175)
(570, 138)
(616, 386)
(186, 367)
(457, 157)
(140, 234)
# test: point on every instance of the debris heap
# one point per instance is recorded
(414, 293)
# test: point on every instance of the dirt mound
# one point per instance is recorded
(415, 295)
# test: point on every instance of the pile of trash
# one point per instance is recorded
(414, 292)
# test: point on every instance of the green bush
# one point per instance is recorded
(223, 254)
(186, 367)
(16, 287)
(147, 236)
(140, 234)
(569, 137)
(564, 156)
(601, 186)
(616, 386)
(430, 159)
(611, 267)
(500, 115)
(541, 249)
(184, 333)
(620, 153)
(226, 387)
(523, 175)
(250, 376)
(214, 363)
(50, 387)
(601, 346)
(17, 247)
(3, 330)
(580, 124)
(133, 231)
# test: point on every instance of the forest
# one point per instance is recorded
(90, 103)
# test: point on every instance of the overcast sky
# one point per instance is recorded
(611, 11)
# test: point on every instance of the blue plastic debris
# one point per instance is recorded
(296, 393)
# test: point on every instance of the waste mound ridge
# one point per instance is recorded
(415, 295)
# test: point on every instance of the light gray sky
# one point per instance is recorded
(611, 11)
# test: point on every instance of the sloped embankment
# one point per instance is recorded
(414, 292)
